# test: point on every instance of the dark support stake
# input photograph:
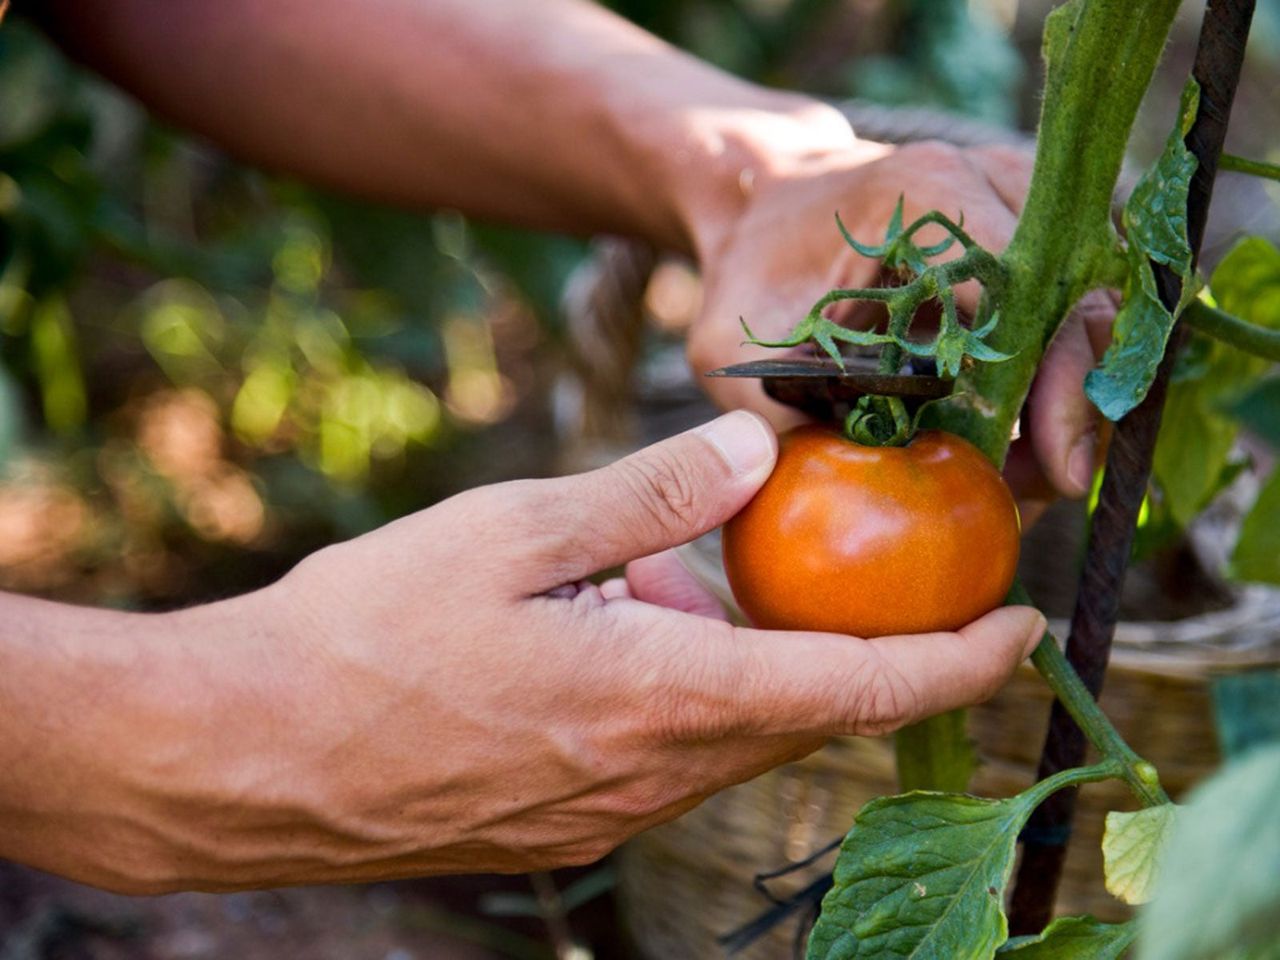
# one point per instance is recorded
(1219, 57)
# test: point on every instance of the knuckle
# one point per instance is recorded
(525, 517)
(513, 502)
(665, 490)
(642, 801)
(881, 698)
(682, 720)
(1006, 155)
(704, 701)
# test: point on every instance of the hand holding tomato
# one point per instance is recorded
(447, 694)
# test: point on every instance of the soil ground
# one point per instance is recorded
(46, 918)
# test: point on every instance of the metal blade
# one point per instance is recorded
(821, 388)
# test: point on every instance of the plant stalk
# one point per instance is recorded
(1219, 58)
(1233, 331)
(1076, 777)
(1071, 692)
(1255, 168)
(1101, 57)
(935, 754)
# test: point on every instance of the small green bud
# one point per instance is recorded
(1147, 773)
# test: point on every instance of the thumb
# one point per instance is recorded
(662, 496)
(822, 683)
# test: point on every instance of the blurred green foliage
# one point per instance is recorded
(1217, 390)
(272, 367)
(947, 54)
(206, 372)
(1193, 458)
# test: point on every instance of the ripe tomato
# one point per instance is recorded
(872, 541)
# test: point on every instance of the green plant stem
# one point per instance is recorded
(1256, 168)
(1109, 769)
(1101, 57)
(935, 754)
(973, 264)
(1232, 330)
(1067, 686)
(890, 361)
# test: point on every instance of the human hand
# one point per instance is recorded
(771, 257)
(447, 694)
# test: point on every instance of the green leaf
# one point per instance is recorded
(1073, 938)
(10, 416)
(56, 359)
(1257, 552)
(1196, 434)
(1204, 404)
(1133, 845)
(1247, 282)
(1259, 410)
(1244, 710)
(892, 233)
(1155, 220)
(1219, 890)
(1139, 335)
(922, 875)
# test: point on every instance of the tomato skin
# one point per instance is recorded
(873, 541)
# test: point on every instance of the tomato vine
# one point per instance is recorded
(1101, 56)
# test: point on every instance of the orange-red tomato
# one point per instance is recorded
(872, 541)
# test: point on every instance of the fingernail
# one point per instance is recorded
(1036, 635)
(1080, 464)
(744, 440)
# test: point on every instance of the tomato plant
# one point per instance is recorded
(925, 874)
(874, 540)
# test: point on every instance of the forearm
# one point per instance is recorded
(556, 114)
(110, 739)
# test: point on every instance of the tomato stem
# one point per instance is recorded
(1071, 692)
(1233, 331)
(1108, 769)
(877, 421)
(935, 754)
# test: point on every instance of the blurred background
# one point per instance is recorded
(207, 373)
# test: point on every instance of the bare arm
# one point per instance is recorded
(376, 714)
(555, 113)
(103, 716)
